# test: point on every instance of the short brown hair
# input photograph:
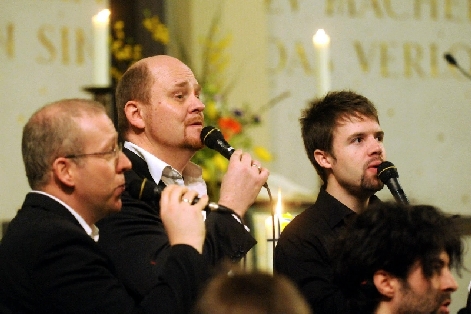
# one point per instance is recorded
(136, 85)
(255, 293)
(322, 115)
(52, 132)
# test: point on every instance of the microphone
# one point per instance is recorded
(146, 190)
(213, 138)
(452, 61)
(387, 173)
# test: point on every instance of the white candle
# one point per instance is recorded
(272, 238)
(273, 230)
(101, 50)
(321, 43)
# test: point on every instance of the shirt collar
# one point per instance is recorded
(92, 230)
(160, 170)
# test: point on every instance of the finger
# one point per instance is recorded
(259, 168)
(189, 196)
(237, 154)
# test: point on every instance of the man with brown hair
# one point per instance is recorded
(344, 142)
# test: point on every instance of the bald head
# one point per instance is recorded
(137, 82)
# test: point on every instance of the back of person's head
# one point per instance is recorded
(392, 237)
(254, 293)
(135, 84)
(322, 115)
(51, 132)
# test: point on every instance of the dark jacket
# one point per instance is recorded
(48, 264)
(136, 241)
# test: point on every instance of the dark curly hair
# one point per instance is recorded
(392, 237)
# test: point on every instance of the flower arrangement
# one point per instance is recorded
(232, 121)
(125, 51)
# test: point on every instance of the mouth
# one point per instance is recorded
(195, 121)
(444, 307)
(121, 188)
(373, 165)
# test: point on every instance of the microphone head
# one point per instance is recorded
(386, 171)
(450, 59)
(212, 137)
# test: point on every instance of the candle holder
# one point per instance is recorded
(104, 95)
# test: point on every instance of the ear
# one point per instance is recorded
(63, 170)
(323, 158)
(134, 114)
(385, 283)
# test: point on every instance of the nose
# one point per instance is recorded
(196, 104)
(376, 147)
(123, 163)
(448, 282)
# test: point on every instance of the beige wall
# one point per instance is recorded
(45, 55)
(246, 22)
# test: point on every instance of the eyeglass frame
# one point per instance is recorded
(114, 152)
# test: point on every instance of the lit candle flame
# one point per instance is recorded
(320, 38)
(102, 16)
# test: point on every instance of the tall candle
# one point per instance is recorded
(101, 50)
(321, 43)
(274, 225)
(271, 232)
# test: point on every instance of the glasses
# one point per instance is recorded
(113, 153)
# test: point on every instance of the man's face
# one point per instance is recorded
(421, 295)
(175, 117)
(100, 178)
(357, 150)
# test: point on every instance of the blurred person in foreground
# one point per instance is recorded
(251, 292)
(160, 118)
(49, 259)
(397, 258)
(344, 142)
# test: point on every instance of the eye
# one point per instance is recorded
(380, 137)
(357, 139)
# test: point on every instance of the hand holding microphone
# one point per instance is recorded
(244, 177)
(183, 221)
(148, 191)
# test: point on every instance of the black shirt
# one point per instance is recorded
(303, 252)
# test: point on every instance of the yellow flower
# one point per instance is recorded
(220, 162)
(262, 153)
(206, 174)
(211, 110)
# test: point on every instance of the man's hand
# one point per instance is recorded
(242, 182)
(183, 222)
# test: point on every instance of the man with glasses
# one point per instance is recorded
(49, 259)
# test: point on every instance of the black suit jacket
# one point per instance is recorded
(137, 243)
(48, 264)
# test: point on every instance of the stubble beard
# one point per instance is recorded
(417, 304)
(371, 184)
(192, 143)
